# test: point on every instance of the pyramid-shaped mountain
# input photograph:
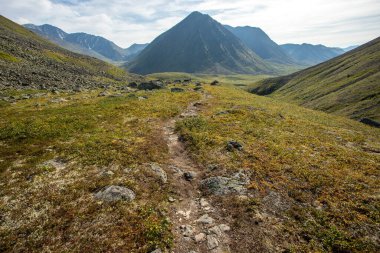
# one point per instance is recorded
(198, 44)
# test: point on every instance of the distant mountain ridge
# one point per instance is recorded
(308, 54)
(198, 44)
(95, 46)
(260, 43)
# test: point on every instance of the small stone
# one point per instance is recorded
(224, 227)
(204, 203)
(212, 242)
(187, 230)
(156, 251)
(189, 175)
(159, 172)
(200, 237)
(231, 145)
(215, 230)
(171, 199)
(205, 219)
(175, 89)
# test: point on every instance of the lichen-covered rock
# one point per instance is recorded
(115, 193)
(225, 185)
(158, 171)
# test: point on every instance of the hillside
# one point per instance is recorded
(347, 85)
(198, 44)
(309, 55)
(260, 43)
(29, 61)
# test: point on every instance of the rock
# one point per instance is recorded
(187, 230)
(215, 82)
(212, 242)
(198, 84)
(156, 251)
(215, 230)
(158, 171)
(197, 88)
(132, 84)
(225, 185)
(231, 145)
(200, 237)
(175, 89)
(171, 199)
(205, 219)
(224, 227)
(189, 175)
(115, 193)
(276, 202)
(142, 98)
(370, 122)
(151, 85)
(103, 94)
(212, 167)
(204, 203)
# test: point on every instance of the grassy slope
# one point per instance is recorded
(314, 176)
(347, 85)
(30, 61)
(48, 209)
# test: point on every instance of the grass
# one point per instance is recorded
(44, 208)
(7, 57)
(320, 165)
(346, 85)
(242, 81)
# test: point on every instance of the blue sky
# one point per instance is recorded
(330, 22)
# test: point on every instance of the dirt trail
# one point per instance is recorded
(197, 226)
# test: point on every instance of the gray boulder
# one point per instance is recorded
(114, 193)
(151, 85)
(158, 171)
(176, 89)
(226, 185)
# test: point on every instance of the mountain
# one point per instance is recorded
(346, 49)
(198, 44)
(347, 85)
(132, 51)
(30, 61)
(58, 36)
(95, 46)
(308, 55)
(260, 43)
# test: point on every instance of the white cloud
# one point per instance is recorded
(334, 23)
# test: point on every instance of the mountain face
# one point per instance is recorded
(260, 43)
(132, 51)
(30, 61)
(87, 44)
(347, 85)
(98, 44)
(198, 44)
(309, 55)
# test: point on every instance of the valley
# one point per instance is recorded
(209, 139)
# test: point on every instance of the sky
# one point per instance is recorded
(339, 23)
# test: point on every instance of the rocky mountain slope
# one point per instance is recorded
(83, 43)
(260, 43)
(347, 85)
(308, 55)
(198, 44)
(29, 61)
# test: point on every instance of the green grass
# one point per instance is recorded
(346, 85)
(55, 209)
(242, 81)
(8, 57)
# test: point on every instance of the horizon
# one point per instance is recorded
(338, 24)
